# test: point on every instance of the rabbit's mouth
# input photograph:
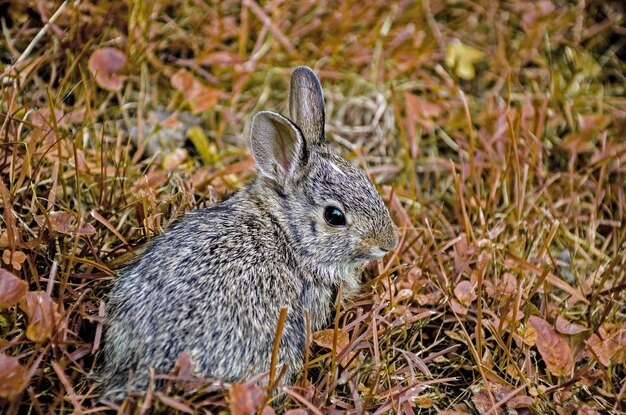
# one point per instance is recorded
(367, 254)
(377, 252)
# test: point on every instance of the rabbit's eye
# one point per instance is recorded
(334, 216)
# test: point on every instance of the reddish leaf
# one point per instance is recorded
(43, 117)
(12, 376)
(457, 307)
(531, 12)
(199, 96)
(267, 410)
(12, 289)
(43, 315)
(483, 260)
(245, 399)
(520, 402)
(105, 65)
(298, 411)
(587, 410)
(483, 403)
(422, 112)
(610, 350)
(508, 285)
(65, 222)
(465, 291)
(553, 349)
(595, 344)
(183, 366)
(566, 327)
(173, 403)
(429, 299)
(617, 344)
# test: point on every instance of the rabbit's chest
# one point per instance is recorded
(317, 300)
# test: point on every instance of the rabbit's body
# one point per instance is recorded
(214, 283)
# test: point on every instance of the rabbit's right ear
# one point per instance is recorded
(306, 105)
(277, 145)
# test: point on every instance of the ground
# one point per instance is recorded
(494, 129)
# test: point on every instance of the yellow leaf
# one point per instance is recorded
(462, 58)
(202, 144)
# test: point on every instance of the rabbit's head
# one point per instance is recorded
(331, 211)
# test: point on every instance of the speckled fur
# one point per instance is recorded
(214, 283)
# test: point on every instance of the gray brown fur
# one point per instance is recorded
(214, 283)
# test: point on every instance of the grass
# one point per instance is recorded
(495, 131)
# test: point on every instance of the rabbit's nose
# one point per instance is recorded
(389, 240)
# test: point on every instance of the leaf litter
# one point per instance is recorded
(495, 132)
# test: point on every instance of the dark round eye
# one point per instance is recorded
(334, 216)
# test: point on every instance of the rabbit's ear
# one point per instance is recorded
(277, 145)
(306, 105)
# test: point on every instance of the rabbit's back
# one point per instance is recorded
(212, 286)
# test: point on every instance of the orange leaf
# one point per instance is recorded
(199, 96)
(105, 64)
(43, 315)
(12, 376)
(220, 58)
(15, 259)
(553, 349)
(324, 338)
(245, 399)
(4, 239)
(12, 289)
(174, 159)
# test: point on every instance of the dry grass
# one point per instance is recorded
(495, 129)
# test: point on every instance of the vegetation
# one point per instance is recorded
(495, 130)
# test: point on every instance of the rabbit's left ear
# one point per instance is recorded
(277, 145)
(306, 105)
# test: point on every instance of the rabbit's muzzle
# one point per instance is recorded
(389, 239)
(382, 243)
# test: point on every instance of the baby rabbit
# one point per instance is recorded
(214, 283)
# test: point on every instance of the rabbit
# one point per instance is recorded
(214, 283)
